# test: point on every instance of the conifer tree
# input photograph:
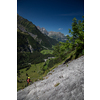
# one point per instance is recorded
(77, 39)
(74, 42)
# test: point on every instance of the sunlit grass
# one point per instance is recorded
(47, 52)
(33, 73)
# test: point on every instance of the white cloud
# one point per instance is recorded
(60, 29)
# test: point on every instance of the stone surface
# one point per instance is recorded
(70, 79)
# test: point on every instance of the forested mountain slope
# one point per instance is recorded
(28, 27)
(30, 41)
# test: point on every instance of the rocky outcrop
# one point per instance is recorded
(20, 27)
(66, 82)
(31, 49)
(31, 34)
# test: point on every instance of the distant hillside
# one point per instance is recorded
(55, 35)
(32, 35)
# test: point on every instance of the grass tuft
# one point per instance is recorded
(56, 84)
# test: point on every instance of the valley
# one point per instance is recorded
(40, 54)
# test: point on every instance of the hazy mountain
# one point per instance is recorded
(55, 35)
(58, 36)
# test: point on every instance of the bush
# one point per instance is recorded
(27, 75)
(28, 67)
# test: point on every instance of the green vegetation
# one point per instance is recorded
(47, 52)
(56, 84)
(23, 59)
(71, 49)
(74, 46)
(23, 42)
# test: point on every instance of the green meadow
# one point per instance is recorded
(47, 52)
(34, 73)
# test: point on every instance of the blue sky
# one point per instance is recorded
(53, 15)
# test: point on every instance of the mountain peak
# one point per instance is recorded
(55, 35)
(43, 30)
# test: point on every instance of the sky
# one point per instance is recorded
(53, 15)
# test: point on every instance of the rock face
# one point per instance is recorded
(66, 82)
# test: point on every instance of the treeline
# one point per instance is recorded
(72, 48)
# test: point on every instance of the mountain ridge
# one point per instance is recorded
(55, 35)
(30, 42)
(27, 27)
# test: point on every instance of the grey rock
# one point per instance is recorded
(70, 79)
(20, 27)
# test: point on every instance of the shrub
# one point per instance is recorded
(26, 74)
